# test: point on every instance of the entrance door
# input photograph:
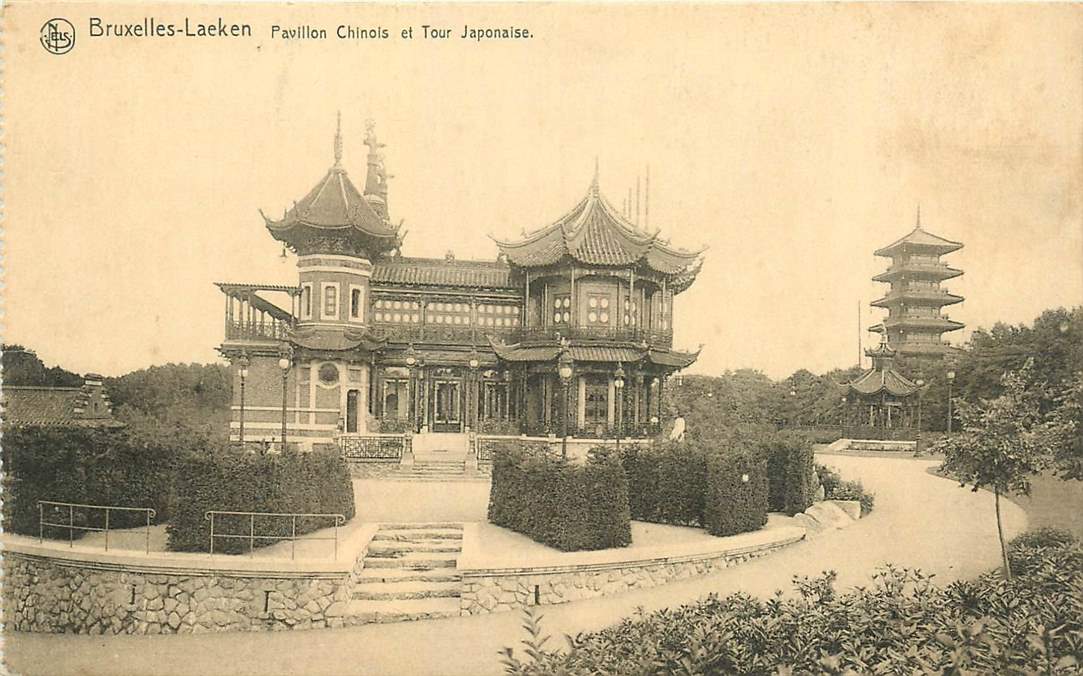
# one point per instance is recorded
(447, 406)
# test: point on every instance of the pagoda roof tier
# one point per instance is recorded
(442, 272)
(594, 233)
(335, 340)
(877, 381)
(937, 323)
(594, 353)
(937, 298)
(918, 240)
(935, 271)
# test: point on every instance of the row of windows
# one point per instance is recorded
(459, 320)
(329, 306)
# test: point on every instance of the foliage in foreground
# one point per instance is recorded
(903, 623)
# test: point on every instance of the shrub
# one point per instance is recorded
(233, 480)
(82, 465)
(733, 505)
(790, 471)
(901, 623)
(837, 488)
(666, 483)
(560, 504)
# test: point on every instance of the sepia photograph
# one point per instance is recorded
(530, 338)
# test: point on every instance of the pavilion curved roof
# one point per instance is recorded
(594, 233)
(883, 377)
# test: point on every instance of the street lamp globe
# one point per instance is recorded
(284, 364)
(474, 363)
(951, 375)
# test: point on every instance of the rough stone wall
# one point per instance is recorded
(374, 470)
(57, 596)
(509, 591)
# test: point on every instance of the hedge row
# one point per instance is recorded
(736, 493)
(666, 483)
(790, 470)
(558, 503)
(81, 465)
(233, 480)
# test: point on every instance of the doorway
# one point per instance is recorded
(447, 406)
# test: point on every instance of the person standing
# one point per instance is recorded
(677, 434)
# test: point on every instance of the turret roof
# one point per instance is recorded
(919, 239)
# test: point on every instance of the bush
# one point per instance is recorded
(902, 623)
(233, 480)
(733, 505)
(837, 488)
(82, 465)
(666, 483)
(790, 471)
(560, 504)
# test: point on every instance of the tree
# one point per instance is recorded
(23, 367)
(1004, 441)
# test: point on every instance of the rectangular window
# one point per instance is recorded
(306, 301)
(597, 310)
(562, 309)
(596, 410)
(330, 301)
(356, 302)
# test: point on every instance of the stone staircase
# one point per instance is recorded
(438, 457)
(409, 573)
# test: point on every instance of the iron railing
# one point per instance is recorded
(373, 446)
(252, 536)
(70, 525)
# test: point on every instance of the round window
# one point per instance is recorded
(329, 374)
(566, 317)
(593, 302)
(605, 302)
(592, 316)
(567, 302)
(556, 318)
(605, 317)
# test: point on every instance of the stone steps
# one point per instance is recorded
(382, 575)
(418, 535)
(402, 610)
(409, 589)
(409, 573)
(390, 547)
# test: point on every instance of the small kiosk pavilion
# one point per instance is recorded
(881, 397)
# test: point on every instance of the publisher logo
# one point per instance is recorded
(57, 36)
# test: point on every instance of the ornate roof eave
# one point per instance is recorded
(920, 239)
(322, 340)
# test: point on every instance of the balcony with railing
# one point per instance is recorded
(251, 317)
(654, 338)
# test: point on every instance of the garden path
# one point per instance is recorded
(920, 521)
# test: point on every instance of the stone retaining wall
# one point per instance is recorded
(43, 594)
(496, 590)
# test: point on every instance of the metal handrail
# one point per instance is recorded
(252, 537)
(42, 523)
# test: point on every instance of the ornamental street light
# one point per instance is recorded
(618, 385)
(411, 364)
(242, 371)
(285, 361)
(921, 393)
(473, 390)
(951, 381)
(564, 370)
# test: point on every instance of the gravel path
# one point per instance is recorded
(920, 521)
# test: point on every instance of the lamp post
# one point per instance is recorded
(564, 370)
(951, 381)
(285, 360)
(411, 364)
(242, 371)
(618, 385)
(474, 391)
(921, 393)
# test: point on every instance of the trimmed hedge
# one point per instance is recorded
(733, 505)
(81, 465)
(557, 503)
(233, 480)
(791, 471)
(836, 488)
(666, 483)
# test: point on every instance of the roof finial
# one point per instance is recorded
(919, 215)
(338, 140)
(594, 182)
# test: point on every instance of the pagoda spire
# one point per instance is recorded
(594, 182)
(918, 224)
(338, 140)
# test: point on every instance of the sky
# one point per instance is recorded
(793, 140)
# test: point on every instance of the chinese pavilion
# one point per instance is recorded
(882, 397)
(914, 323)
(566, 332)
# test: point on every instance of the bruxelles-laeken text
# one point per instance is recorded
(150, 27)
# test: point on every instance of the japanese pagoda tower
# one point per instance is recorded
(915, 322)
